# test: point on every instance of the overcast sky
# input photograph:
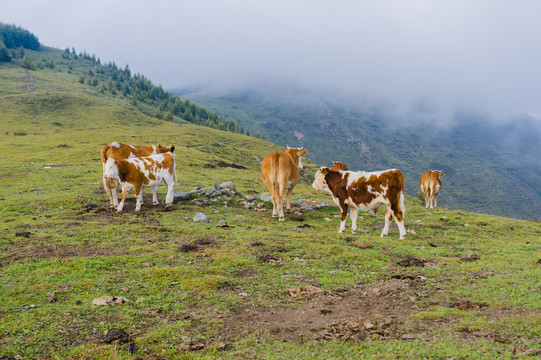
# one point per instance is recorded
(484, 54)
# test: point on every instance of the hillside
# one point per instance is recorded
(462, 285)
(490, 167)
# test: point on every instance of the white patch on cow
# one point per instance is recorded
(153, 150)
(110, 170)
(300, 164)
(133, 147)
(319, 182)
(115, 144)
(288, 184)
(438, 187)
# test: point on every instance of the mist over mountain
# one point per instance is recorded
(491, 161)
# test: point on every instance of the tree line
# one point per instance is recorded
(13, 39)
(109, 78)
(151, 99)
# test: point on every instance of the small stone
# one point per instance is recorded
(109, 300)
(265, 197)
(200, 217)
(243, 294)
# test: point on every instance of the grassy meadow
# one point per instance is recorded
(462, 285)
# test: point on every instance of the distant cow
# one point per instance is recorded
(431, 186)
(280, 171)
(147, 171)
(365, 191)
(337, 165)
(120, 151)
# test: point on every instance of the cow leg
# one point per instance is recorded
(280, 206)
(138, 196)
(155, 195)
(107, 188)
(113, 185)
(399, 219)
(289, 193)
(353, 212)
(344, 210)
(388, 218)
(170, 192)
(123, 198)
(431, 199)
(436, 200)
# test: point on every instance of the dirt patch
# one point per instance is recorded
(374, 312)
(199, 244)
(221, 163)
(467, 305)
(60, 251)
(411, 261)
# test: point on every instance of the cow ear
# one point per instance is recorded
(442, 173)
(159, 146)
(172, 148)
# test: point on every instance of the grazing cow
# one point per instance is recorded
(365, 191)
(147, 171)
(431, 186)
(120, 151)
(280, 171)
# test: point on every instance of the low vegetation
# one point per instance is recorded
(462, 285)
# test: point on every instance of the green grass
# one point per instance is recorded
(81, 255)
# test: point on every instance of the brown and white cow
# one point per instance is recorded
(431, 186)
(280, 172)
(147, 171)
(120, 151)
(365, 191)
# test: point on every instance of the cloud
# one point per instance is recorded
(479, 54)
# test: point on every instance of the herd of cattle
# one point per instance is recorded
(135, 167)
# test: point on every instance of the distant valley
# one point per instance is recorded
(491, 167)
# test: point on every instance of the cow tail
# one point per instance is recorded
(276, 162)
(175, 171)
(103, 154)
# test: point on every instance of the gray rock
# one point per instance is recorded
(200, 217)
(181, 196)
(265, 197)
(229, 185)
(223, 222)
(210, 192)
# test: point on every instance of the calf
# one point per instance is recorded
(365, 191)
(120, 151)
(431, 186)
(280, 172)
(148, 171)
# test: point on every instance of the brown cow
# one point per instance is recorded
(431, 186)
(280, 171)
(120, 151)
(365, 191)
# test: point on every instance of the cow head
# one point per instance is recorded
(296, 154)
(162, 149)
(320, 183)
(110, 170)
